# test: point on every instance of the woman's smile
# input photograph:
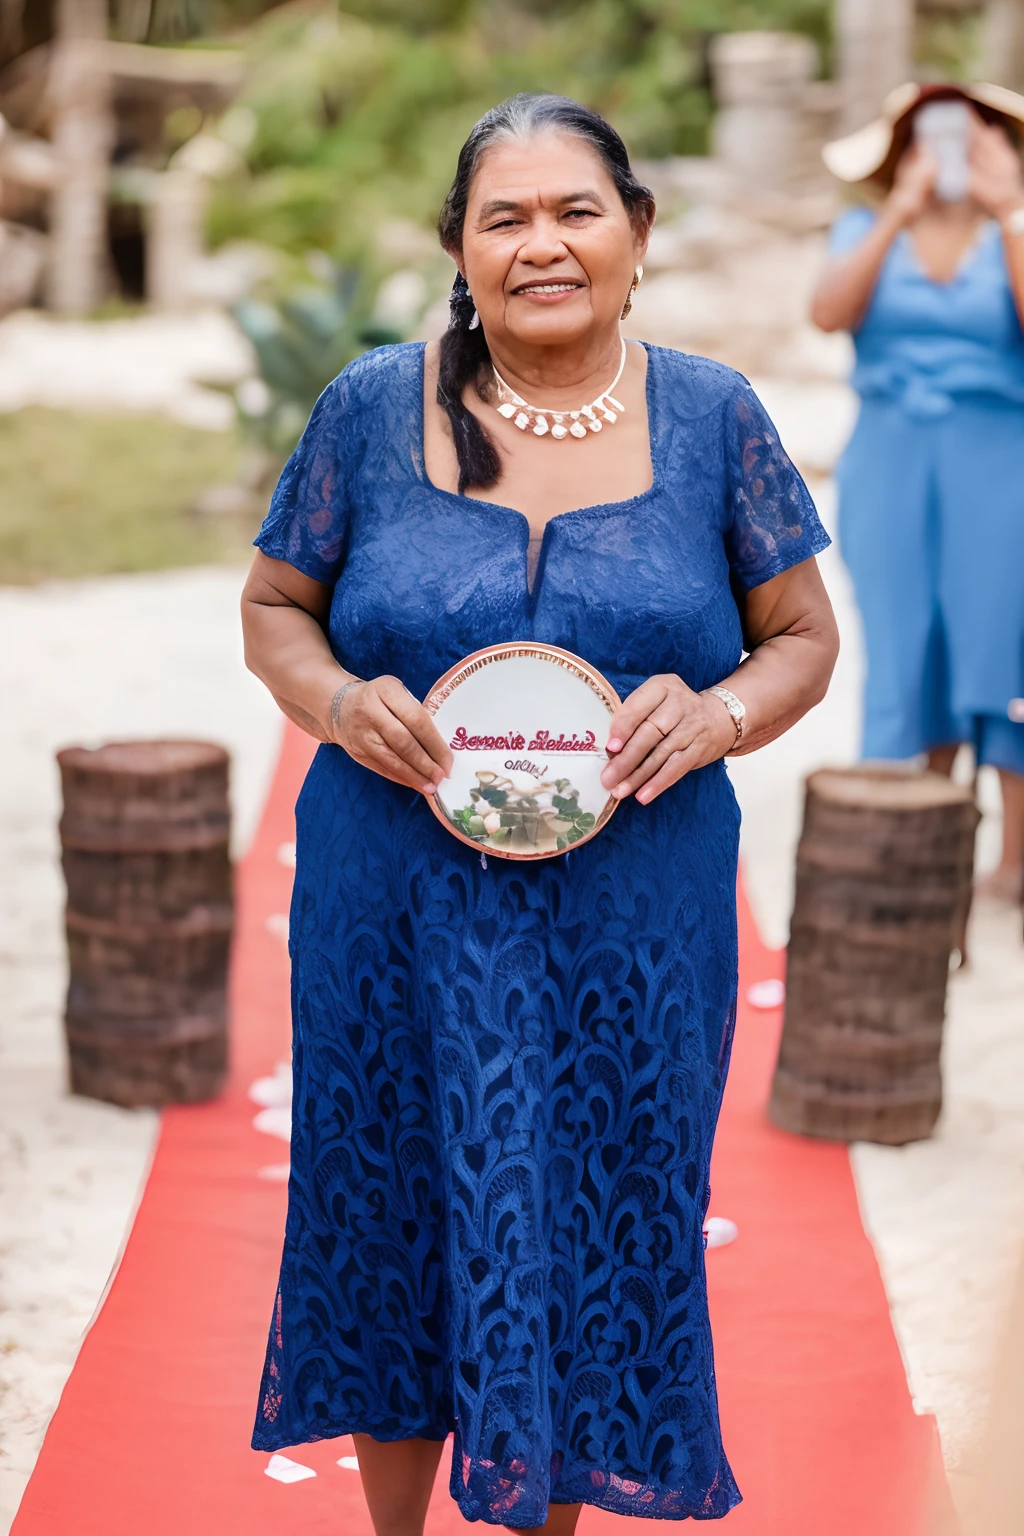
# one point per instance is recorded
(546, 293)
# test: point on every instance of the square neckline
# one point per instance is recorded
(650, 392)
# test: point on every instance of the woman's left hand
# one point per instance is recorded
(663, 731)
(996, 179)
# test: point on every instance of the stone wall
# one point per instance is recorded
(741, 235)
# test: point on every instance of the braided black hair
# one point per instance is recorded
(465, 357)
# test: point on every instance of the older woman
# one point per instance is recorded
(507, 1077)
(931, 495)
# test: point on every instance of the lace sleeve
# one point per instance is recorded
(773, 524)
(308, 516)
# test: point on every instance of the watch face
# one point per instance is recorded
(527, 726)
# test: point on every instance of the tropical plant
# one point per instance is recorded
(350, 121)
(349, 117)
(302, 342)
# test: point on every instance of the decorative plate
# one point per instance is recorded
(527, 725)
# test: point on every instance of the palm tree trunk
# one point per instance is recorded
(883, 876)
(83, 136)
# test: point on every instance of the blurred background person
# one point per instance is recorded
(930, 281)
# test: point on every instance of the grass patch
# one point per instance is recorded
(92, 495)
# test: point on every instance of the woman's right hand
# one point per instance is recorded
(912, 185)
(382, 726)
(847, 286)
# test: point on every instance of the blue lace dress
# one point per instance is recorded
(507, 1077)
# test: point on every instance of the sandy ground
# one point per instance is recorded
(149, 363)
(160, 654)
(80, 662)
(946, 1215)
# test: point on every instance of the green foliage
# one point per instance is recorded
(948, 46)
(178, 21)
(301, 343)
(412, 15)
(89, 495)
(354, 116)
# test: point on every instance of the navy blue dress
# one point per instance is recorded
(507, 1077)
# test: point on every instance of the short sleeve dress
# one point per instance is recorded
(507, 1077)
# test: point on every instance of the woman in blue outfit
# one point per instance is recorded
(507, 1075)
(931, 485)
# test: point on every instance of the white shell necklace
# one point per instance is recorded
(542, 420)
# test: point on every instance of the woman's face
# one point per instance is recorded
(548, 249)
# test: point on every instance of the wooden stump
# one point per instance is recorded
(149, 918)
(883, 881)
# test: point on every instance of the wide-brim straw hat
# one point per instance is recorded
(871, 153)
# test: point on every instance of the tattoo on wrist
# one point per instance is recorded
(356, 682)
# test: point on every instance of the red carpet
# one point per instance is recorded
(151, 1435)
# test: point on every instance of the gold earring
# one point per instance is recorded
(638, 277)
